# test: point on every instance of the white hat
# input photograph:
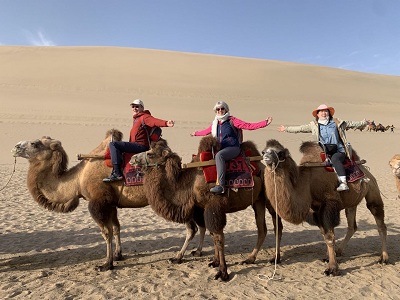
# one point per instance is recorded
(137, 102)
(220, 104)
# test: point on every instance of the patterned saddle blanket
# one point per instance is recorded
(239, 171)
(353, 171)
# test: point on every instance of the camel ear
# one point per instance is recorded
(55, 145)
(165, 152)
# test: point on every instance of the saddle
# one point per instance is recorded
(133, 175)
(353, 171)
(239, 171)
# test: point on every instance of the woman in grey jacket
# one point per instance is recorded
(330, 133)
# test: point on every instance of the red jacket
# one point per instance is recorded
(138, 134)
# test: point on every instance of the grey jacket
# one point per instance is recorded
(342, 125)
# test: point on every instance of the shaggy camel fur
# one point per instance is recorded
(395, 165)
(177, 194)
(309, 194)
(58, 189)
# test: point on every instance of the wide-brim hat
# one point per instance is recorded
(321, 107)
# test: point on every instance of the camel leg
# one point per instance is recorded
(198, 251)
(329, 237)
(219, 242)
(191, 229)
(117, 236)
(351, 228)
(259, 214)
(103, 217)
(376, 207)
(277, 220)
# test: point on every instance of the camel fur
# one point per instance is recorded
(178, 195)
(57, 188)
(395, 165)
(300, 193)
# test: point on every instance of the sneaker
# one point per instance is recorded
(113, 177)
(342, 187)
(218, 189)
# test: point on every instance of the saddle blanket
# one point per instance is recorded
(353, 171)
(238, 172)
(133, 175)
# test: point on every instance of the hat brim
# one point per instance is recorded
(331, 111)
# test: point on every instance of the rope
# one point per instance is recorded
(15, 163)
(269, 278)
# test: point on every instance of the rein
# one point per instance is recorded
(15, 163)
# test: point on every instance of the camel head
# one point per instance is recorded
(208, 144)
(45, 150)
(274, 153)
(395, 165)
(156, 156)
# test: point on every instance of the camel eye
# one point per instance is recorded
(36, 144)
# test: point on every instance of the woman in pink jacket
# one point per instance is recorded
(227, 130)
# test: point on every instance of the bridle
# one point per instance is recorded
(148, 164)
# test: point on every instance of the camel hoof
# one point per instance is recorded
(248, 261)
(214, 264)
(223, 275)
(196, 253)
(331, 272)
(104, 268)
(175, 261)
(272, 260)
(383, 261)
(118, 256)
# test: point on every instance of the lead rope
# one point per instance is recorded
(269, 278)
(15, 163)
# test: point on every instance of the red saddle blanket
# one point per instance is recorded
(239, 172)
(133, 175)
(353, 171)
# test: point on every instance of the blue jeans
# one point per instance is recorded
(221, 157)
(117, 148)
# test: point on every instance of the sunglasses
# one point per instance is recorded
(220, 109)
(135, 106)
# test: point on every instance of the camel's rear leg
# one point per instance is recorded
(103, 215)
(351, 228)
(259, 214)
(117, 236)
(191, 229)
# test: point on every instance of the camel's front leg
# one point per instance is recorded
(191, 229)
(329, 237)
(219, 242)
(104, 220)
(351, 228)
(259, 214)
(278, 228)
(117, 236)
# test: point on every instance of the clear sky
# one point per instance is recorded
(359, 35)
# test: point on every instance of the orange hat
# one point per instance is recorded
(321, 107)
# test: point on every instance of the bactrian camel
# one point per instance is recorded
(395, 165)
(301, 193)
(57, 188)
(176, 193)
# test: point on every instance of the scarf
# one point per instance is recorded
(323, 121)
(217, 119)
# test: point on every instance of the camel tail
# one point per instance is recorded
(57, 207)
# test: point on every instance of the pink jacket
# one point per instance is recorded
(238, 124)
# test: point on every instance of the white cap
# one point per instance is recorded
(137, 102)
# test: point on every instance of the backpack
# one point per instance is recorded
(153, 133)
(238, 131)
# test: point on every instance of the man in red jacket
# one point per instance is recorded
(138, 139)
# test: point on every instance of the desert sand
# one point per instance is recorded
(75, 94)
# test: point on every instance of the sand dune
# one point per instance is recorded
(75, 94)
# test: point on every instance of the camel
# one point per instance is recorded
(176, 193)
(301, 193)
(380, 127)
(395, 165)
(57, 188)
(371, 126)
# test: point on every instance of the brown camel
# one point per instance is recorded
(57, 188)
(395, 165)
(301, 193)
(177, 193)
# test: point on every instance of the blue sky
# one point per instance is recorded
(359, 35)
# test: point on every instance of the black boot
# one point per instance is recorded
(116, 175)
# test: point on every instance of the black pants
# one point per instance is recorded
(337, 160)
(117, 148)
